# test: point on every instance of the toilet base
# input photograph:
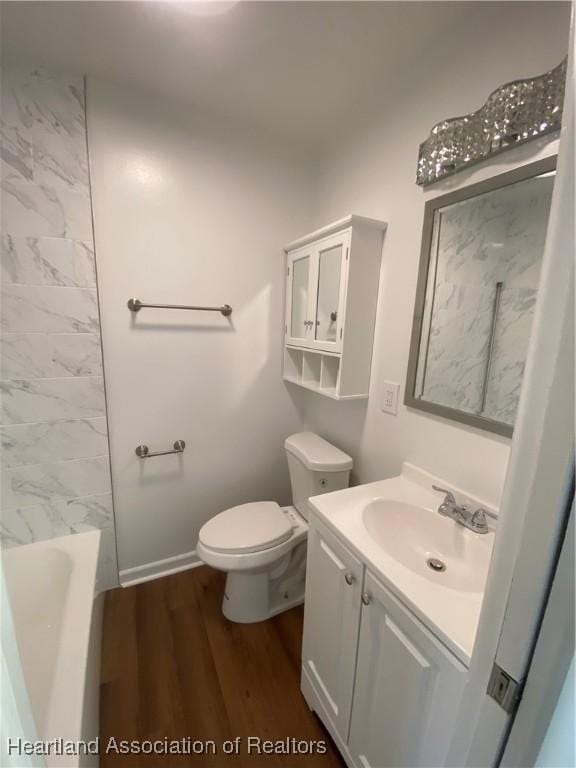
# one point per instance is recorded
(252, 596)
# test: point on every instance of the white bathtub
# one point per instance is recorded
(57, 612)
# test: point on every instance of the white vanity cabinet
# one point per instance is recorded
(332, 280)
(408, 687)
(333, 588)
(398, 705)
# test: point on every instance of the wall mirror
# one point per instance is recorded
(482, 249)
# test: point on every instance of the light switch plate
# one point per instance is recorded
(389, 402)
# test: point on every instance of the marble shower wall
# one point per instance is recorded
(496, 237)
(55, 462)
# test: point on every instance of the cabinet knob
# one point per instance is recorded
(366, 598)
(349, 578)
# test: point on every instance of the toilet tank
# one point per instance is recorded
(316, 466)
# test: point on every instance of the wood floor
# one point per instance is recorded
(173, 667)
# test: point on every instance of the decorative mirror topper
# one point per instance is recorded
(513, 114)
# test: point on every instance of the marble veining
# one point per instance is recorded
(46, 113)
(32, 209)
(49, 355)
(15, 153)
(53, 441)
(55, 463)
(56, 517)
(49, 308)
(495, 237)
(29, 401)
(26, 485)
(50, 261)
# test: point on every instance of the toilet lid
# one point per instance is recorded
(246, 528)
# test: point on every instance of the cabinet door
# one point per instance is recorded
(331, 619)
(408, 688)
(330, 262)
(300, 296)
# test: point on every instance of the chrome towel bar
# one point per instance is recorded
(143, 451)
(135, 305)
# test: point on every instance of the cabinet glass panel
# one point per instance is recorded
(300, 272)
(330, 263)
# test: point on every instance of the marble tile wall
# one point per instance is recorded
(496, 237)
(53, 429)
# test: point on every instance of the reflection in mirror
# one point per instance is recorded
(300, 270)
(328, 292)
(481, 257)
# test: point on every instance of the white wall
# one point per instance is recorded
(190, 211)
(374, 175)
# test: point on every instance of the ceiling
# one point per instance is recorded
(307, 69)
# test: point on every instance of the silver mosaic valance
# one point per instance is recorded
(513, 114)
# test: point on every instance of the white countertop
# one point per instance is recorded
(451, 614)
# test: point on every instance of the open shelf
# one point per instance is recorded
(316, 371)
(329, 375)
(293, 361)
(312, 369)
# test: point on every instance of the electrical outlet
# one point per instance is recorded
(389, 402)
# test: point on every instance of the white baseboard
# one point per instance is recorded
(159, 568)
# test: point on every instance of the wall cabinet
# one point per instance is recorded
(332, 280)
(384, 686)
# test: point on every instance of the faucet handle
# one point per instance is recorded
(478, 521)
(449, 495)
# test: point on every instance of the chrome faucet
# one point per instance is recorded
(475, 521)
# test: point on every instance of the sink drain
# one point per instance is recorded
(435, 564)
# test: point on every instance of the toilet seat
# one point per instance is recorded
(256, 560)
(246, 528)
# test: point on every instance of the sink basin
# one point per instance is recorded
(432, 546)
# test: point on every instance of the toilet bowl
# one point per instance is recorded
(262, 546)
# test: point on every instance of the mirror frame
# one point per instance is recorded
(505, 179)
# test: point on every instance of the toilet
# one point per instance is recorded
(262, 546)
